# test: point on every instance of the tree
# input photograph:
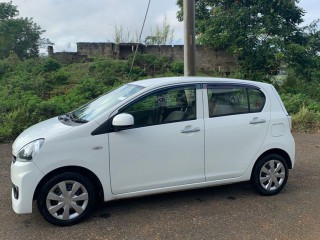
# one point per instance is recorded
(304, 58)
(7, 10)
(19, 35)
(257, 32)
(124, 36)
(162, 35)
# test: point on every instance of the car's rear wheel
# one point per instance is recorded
(66, 199)
(270, 174)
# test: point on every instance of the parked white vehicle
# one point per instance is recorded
(153, 136)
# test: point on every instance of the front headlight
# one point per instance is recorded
(29, 151)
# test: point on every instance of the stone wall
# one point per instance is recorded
(67, 57)
(96, 49)
(172, 52)
(207, 58)
(124, 50)
(210, 59)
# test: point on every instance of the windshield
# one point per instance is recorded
(97, 107)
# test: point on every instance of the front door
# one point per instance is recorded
(165, 147)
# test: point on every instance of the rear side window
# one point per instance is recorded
(256, 100)
(231, 100)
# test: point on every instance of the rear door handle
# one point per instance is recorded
(257, 120)
(190, 130)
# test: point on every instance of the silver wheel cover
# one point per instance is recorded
(67, 200)
(272, 175)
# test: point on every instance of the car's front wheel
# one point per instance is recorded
(66, 199)
(270, 174)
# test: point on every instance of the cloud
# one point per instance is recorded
(71, 21)
(311, 8)
(95, 20)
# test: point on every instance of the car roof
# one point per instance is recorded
(156, 82)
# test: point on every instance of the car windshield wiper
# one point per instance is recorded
(80, 120)
(76, 120)
(64, 117)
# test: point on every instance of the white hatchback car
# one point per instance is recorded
(153, 136)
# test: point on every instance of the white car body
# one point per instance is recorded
(157, 158)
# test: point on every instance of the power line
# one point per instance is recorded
(144, 21)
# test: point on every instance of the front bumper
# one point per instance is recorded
(25, 177)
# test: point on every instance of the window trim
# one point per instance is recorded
(229, 85)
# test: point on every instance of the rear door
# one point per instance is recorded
(236, 120)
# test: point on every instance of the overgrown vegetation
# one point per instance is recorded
(306, 120)
(40, 88)
(301, 97)
(160, 35)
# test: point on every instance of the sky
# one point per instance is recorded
(70, 21)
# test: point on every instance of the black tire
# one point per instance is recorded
(82, 204)
(269, 182)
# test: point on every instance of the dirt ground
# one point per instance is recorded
(226, 212)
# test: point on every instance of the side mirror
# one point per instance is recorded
(122, 121)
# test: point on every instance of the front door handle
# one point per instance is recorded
(257, 120)
(190, 130)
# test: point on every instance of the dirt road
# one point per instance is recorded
(228, 212)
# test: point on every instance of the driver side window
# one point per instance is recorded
(164, 106)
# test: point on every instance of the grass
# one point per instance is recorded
(306, 121)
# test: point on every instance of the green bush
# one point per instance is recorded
(61, 77)
(177, 67)
(3, 68)
(151, 64)
(306, 121)
(109, 72)
(51, 65)
(295, 84)
(294, 102)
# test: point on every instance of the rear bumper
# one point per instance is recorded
(292, 151)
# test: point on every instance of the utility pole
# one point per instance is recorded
(189, 38)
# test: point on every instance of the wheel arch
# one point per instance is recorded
(277, 151)
(74, 169)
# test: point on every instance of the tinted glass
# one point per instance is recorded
(227, 101)
(257, 100)
(164, 106)
(234, 100)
